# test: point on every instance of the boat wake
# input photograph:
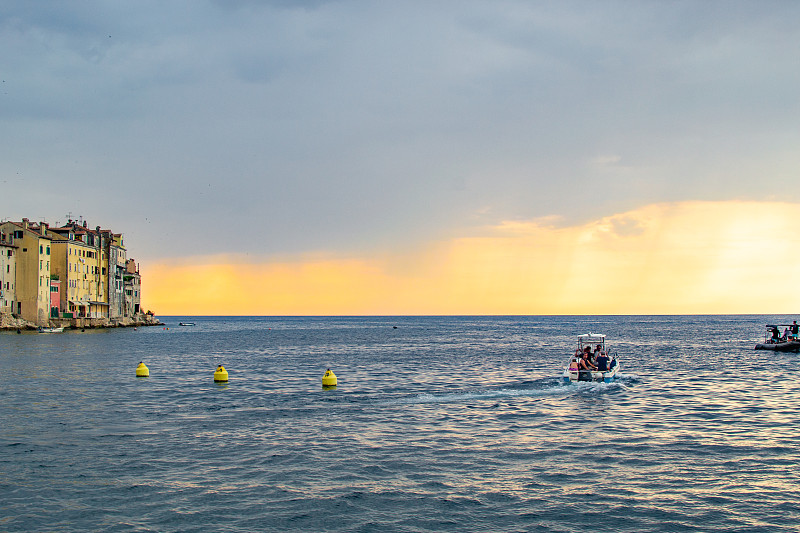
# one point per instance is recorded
(542, 388)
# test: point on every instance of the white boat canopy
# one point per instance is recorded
(591, 337)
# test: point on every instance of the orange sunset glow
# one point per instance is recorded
(693, 257)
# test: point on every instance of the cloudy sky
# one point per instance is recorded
(416, 157)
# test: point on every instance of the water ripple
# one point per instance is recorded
(438, 424)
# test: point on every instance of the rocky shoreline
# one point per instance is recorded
(11, 322)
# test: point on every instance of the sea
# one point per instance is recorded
(437, 424)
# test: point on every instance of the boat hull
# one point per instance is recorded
(788, 346)
(573, 376)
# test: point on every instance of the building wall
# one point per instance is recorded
(8, 282)
(83, 287)
(132, 288)
(33, 271)
(55, 298)
(76, 264)
(116, 272)
(58, 267)
(101, 308)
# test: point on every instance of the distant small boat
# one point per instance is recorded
(51, 330)
(186, 323)
(773, 340)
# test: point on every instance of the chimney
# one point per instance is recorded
(25, 223)
(85, 224)
(43, 227)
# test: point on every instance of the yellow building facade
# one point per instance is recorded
(81, 265)
(8, 275)
(33, 261)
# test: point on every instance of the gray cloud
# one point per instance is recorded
(273, 127)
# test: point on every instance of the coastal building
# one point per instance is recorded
(55, 297)
(69, 272)
(100, 303)
(8, 273)
(132, 282)
(69, 266)
(81, 264)
(32, 269)
(117, 268)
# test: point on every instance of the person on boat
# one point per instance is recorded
(587, 351)
(776, 335)
(602, 362)
(586, 367)
(574, 366)
(793, 329)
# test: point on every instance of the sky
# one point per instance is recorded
(432, 157)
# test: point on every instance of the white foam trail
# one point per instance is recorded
(460, 397)
(559, 389)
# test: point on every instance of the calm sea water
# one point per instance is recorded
(438, 424)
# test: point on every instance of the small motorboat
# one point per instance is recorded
(773, 340)
(596, 344)
(186, 323)
(51, 330)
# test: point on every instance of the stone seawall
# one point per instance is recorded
(10, 322)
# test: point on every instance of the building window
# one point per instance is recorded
(48, 250)
(41, 249)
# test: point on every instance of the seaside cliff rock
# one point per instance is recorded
(11, 322)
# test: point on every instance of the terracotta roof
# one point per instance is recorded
(30, 228)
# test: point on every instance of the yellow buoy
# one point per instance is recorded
(142, 371)
(221, 375)
(328, 379)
